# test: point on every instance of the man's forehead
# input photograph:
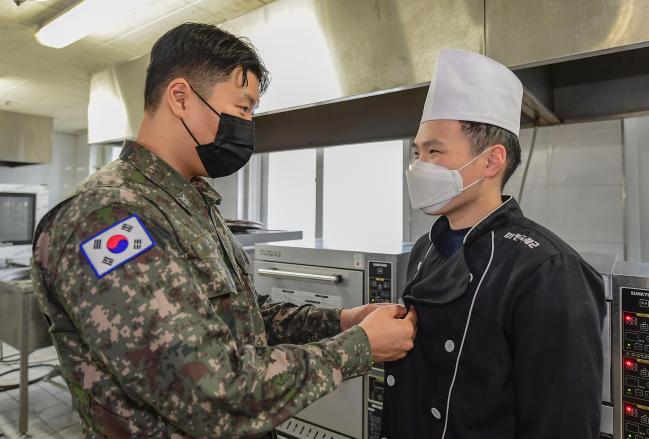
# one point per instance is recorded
(437, 133)
(427, 143)
(234, 86)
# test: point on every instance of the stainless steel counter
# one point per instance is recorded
(19, 310)
(22, 326)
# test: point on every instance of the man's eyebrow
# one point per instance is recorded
(428, 143)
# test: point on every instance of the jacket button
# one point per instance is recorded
(436, 413)
(390, 380)
(449, 346)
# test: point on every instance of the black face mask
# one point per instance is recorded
(232, 147)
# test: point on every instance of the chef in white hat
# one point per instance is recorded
(510, 317)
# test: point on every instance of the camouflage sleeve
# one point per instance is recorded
(288, 323)
(154, 329)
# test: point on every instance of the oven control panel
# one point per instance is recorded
(635, 363)
(380, 282)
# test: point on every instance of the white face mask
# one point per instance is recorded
(432, 187)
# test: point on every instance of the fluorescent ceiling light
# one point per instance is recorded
(84, 18)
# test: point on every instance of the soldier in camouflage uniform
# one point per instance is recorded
(149, 297)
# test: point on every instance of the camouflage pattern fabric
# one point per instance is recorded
(176, 343)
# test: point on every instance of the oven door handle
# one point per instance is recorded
(333, 278)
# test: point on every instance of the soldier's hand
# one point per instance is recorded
(353, 316)
(391, 331)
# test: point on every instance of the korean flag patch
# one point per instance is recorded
(116, 245)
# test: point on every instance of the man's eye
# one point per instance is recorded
(245, 109)
(432, 151)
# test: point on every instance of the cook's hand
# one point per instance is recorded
(353, 316)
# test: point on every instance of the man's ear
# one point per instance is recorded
(496, 161)
(176, 95)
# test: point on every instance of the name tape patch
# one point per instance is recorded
(517, 237)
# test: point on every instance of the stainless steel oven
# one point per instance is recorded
(625, 393)
(630, 350)
(312, 272)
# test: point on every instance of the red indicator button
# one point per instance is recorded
(630, 364)
(630, 410)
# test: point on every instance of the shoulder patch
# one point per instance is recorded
(116, 245)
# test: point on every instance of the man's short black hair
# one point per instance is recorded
(482, 135)
(203, 54)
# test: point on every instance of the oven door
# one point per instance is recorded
(343, 410)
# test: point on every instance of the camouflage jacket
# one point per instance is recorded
(175, 342)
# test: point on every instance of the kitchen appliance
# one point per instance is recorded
(625, 396)
(21, 208)
(334, 276)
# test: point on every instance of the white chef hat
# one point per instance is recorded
(470, 86)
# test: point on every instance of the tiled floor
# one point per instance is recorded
(50, 408)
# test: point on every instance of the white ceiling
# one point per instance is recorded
(35, 79)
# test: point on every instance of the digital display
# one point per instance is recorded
(17, 217)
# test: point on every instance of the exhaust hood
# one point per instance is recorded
(25, 139)
(317, 51)
(583, 59)
(358, 70)
(116, 104)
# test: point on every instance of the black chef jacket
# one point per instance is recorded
(509, 337)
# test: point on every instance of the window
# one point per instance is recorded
(115, 151)
(363, 194)
(292, 191)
